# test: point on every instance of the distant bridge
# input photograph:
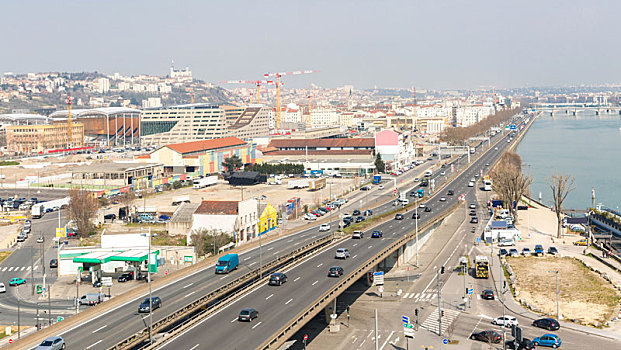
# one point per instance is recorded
(576, 108)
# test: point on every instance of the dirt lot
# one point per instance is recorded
(584, 295)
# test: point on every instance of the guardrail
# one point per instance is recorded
(218, 298)
(320, 303)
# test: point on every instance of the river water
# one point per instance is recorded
(586, 146)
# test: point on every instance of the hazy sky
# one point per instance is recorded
(428, 44)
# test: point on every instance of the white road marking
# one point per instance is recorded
(10, 268)
(271, 295)
(405, 295)
(355, 244)
(320, 265)
(23, 268)
(289, 301)
(314, 283)
(270, 248)
(100, 328)
(291, 240)
(370, 247)
(4, 269)
(256, 325)
(387, 339)
(252, 263)
(417, 295)
(223, 277)
(188, 285)
(28, 269)
(296, 279)
(35, 268)
(354, 256)
(247, 258)
(187, 295)
(194, 347)
(233, 320)
(90, 346)
(411, 296)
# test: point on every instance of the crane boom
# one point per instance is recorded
(278, 84)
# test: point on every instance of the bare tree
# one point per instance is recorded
(209, 241)
(127, 199)
(560, 185)
(82, 209)
(509, 181)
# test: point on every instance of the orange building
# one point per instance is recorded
(43, 138)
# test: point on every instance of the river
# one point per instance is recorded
(587, 147)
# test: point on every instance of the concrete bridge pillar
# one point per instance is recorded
(329, 310)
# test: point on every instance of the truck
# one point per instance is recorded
(227, 263)
(274, 180)
(487, 183)
(377, 179)
(180, 199)
(38, 210)
(481, 265)
(300, 183)
(316, 184)
(205, 181)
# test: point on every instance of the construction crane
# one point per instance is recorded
(69, 129)
(255, 82)
(278, 84)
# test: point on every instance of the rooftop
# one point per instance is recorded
(321, 143)
(184, 212)
(218, 208)
(113, 167)
(205, 145)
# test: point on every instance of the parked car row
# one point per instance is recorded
(513, 252)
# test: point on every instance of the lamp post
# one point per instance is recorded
(416, 225)
(557, 312)
(150, 291)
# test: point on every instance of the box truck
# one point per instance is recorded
(204, 182)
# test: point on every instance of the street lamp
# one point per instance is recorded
(557, 313)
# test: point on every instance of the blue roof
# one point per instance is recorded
(499, 224)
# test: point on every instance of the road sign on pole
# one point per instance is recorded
(378, 278)
(408, 330)
(444, 341)
(405, 319)
(470, 291)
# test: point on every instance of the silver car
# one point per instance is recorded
(52, 343)
(341, 253)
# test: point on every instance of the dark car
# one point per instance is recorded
(450, 193)
(277, 279)
(474, 220)
(473, 213)
(487, 294)
(335, 271)
(552, 251)
(368, 212)
(503, 252)
(144, 306)
(248, 314)
(53, 263)
(413, 194)
(415, 215)
(356, 212)
(526, 344)
(360, 219)
(427, 209)
(487, 336)
(110, 217)
(125, 276)
(547, 323)
(377, 234)
(365, 188)
(399, 217)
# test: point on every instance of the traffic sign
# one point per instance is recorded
(305, 337)
(10, 341)
(405, 320)
(507, 127)
(470, 291)
(378, 278)
(59, 318)
(408, 330)
(513, 127)
(444, 341)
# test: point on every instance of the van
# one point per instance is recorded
(92, 299)
(227, 263)
(404, 201)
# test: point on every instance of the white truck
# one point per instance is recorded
(39, 209)
(180, 199)
(300, 183)
(204, 182)
(275, 180)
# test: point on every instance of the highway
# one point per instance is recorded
(116, 324)
(308, 280)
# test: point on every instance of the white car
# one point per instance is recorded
(442, 199)
(310, 217)
(324, 227)
(2, 288)
(470, 184)
(357, 235)
(380, 187)
(422, 205)
(506, 243)
(442, 173)
(341, 253)
(506, 321)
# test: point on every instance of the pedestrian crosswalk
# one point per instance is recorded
(427, 296)
(432, 322)
(18, 268)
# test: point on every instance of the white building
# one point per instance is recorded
(324, 116)
(152, 102)
(103, 85)
(236, 218)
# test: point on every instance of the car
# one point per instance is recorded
(380, 187)
(526, 251)
(416, 179)
(360, 219)
(526, 344)
(506, 321)
(547, 323)
(415, 215)
(324, 227)
(427, 209)
(110, 217)
(26, 229)
(125, 276)
(486, 164)
(310, 217)
(442, 199)
(368, 212)
(341, 253)
(552, 251)
(474, 220)
(40, 239)
(472, 206)
(335, 271)
(538, 249)
(450, 192)
(413, 194)
(581, 242)
(487, 294)
(506, 242)
(377, 234)
(277, 279)
(356, 212)
(156, 302)
(53, 263)
(495, 148)
(399, 217)
(2, 288)
(16, 281)
(471, 184)
(551, 340)
(503, 252)
(52, 343)
(247, 314)
(443, 166)
(22, 238)
(487, 337)
(442, 173)
(357, 235)
(365, 188)
(514, 252)
(473, 213)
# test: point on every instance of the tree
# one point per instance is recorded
(127, 199)
(560, 185)
(379, 163)
(509, 182)
(209, 241)
(232, 163)
(83, 208)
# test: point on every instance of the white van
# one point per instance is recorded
(404, 201)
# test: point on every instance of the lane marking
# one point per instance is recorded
(223, 277)
(289, 301)
(100, 328)
(295, 280)
(355, 244)
(291, 240)
(92, 345)
(411, 296)
(23, 268)
(270, 248)
(233, 320)
(256, 325)
(188, 285)
(314, 283)
(187, 295)
(370, 247)
(10, 268)
(194, 347)
(387, 339)
(405, 295)
(271, 295)
(35, 268)
(252, 263)
(320, 265)
(354, 256)
(246, 258)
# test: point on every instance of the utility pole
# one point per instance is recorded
(19, 321)
(376, 334)
(557, 309)
(439, 307)
(150, 291)
(502, 301)
(32, 290)
(49, 305)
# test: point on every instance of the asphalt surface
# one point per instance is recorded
(308, 280)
